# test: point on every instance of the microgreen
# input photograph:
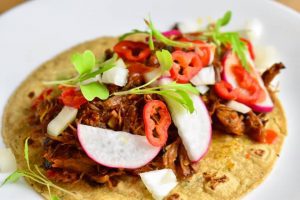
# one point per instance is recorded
(165, 59)
(232, 38)
(36, 176)
(94, 89)
(173, 90)
(85, 64)
(134, 31)
(160, 37)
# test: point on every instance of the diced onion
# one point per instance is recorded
(61, 121)
(117, 75)
(239, 107)
(7, 161)
(159, 182)
(151, 75)
(202, 88)
(205, 76)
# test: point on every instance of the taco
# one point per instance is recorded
(225, 154)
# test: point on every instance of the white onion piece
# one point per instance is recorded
(189, 26)
(239, 107)
(61, 121)
(91, 80)
(159, 182)
(206, 76)
(202, 88)
(117, 75)
(7, 161)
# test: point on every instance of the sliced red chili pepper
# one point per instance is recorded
(45, 93)
(132, 51)
(250, 48)
(204, 50)
(249, 90)
(72, 97)
(157, 120)
(139, 68)
(186, 65)
(225, 90)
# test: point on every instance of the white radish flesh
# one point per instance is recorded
(118, 75)
(159, 182)
(61, 121)
(116, 149)
(7, 161)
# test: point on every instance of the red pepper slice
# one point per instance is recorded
(72, 97)
(248, 91)
(157, 120)
(203, 51)
(132, 51)
(250, 48)
(225, 90)
(186, 65)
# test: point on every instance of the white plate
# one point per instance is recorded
(36, 31)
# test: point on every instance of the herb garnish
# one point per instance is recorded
(178, 92)
(85, 65)
(35, 175)
(224, 38)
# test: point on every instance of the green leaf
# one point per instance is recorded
(103, 67)
(85, 62)
(224, 20)
(14, 177)
(165, 59)
(160, 37)
(186, 87)
(134, 31)
(188, 102)
(55, 197)
(93, 90)
(151, 43)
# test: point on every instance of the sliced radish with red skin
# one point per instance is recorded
(194, 128)
(116, 149)
(231, 60)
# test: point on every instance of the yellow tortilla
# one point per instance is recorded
(232, 167)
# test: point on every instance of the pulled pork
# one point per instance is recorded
(64, 158)
(271, 73)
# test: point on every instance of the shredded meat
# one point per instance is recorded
(271, 73)
(229, 120)
(64, 158)
(254, 127)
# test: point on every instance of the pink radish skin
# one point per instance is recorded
(230, 60)
(116, 149)
(191, 125)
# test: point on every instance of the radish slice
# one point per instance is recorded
(117, 75)
(205, 76)
(231, 60)
(194, 128)
(7, 161)
(61, 121)
(159, 182)
(239, 107)
(116, 149)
